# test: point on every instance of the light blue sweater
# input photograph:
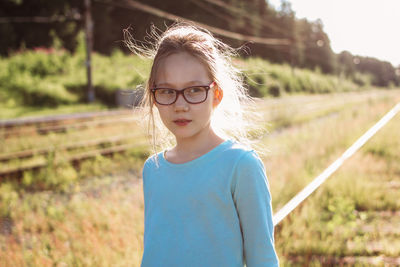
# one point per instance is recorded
(212, 211)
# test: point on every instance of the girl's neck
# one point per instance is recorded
(189, 149)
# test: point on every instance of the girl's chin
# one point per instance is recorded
(187, 132)
(184, 134)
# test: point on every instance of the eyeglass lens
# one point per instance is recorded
(196, 94)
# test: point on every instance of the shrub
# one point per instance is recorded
(274, 89)
(40, 63)
(8, 198)
(34, 91)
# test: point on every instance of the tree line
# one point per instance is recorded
(309, 48)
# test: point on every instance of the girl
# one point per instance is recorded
(207, 201)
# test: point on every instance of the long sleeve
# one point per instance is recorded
(212, 211)
(253, 203)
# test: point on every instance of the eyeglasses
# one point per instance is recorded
(193, 94)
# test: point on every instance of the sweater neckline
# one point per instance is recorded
(196, 160)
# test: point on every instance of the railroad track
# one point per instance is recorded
(62, 123)
(45, 129)
(82, 144)
(17, 172)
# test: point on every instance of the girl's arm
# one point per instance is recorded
(253, 203)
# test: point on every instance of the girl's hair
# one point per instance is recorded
(234, 117)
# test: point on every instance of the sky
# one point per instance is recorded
(362, 27)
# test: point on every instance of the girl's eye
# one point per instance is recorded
(194, 90)
(166, 91)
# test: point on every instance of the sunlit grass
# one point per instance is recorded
(331, 221)
(312, 146)
(99, 225)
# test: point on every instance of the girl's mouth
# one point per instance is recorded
(182, 122)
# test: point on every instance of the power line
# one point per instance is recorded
(240, 12)
(229, 19)
(233, 35)
(39, 19)
(217, 14)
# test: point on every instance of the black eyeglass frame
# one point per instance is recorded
(181, 92)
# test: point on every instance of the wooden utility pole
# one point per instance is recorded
(89, 45)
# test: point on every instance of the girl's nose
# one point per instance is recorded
(181, 104)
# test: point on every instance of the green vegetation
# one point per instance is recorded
(54, 81)
(53, 78)
(267, 79)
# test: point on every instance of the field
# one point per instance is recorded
(353, 218)
(94, 217)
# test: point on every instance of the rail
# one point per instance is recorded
(320, 179)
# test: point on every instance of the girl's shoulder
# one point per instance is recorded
(245, 158)
(238, 155)
(239, 150)
(152, 160)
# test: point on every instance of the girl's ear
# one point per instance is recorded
(218, 95)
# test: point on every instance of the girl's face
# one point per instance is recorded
(186, 121)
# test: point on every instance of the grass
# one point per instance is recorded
(85, 228)
(98, 221)
(300, 108)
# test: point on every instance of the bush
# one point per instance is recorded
(8, 198)
(264, 78)
(54, 77)
(40, 63)
(255, 85)
(274, 89)
(34, 91)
